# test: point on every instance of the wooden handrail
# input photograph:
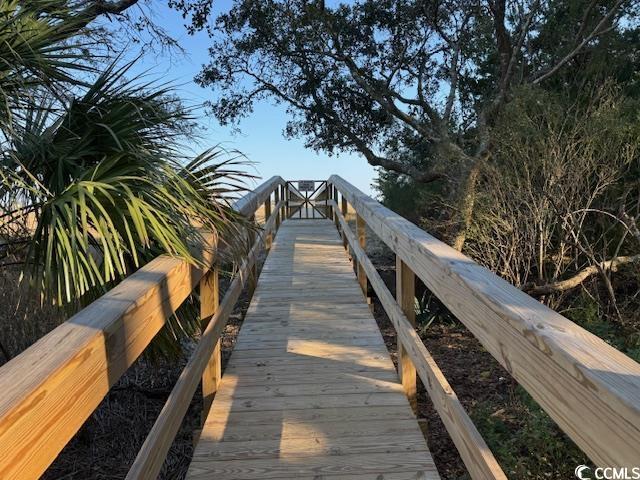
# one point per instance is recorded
(474, 452)
(590, 389)
(50, 389)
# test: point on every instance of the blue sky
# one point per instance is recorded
(261, 138)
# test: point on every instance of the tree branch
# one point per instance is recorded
(98, 8)
(377, 161)
(598, 30)
(581, 276)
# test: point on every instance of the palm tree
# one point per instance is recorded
(92, 180)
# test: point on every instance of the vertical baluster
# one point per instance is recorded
(362, 240)
(267, 213)
(405, 296)
(283, 195)
(344, 214)
(209, 301)
(276, 195)
(335, 199)
(252, 281)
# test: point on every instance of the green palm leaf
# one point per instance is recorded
(108, 191)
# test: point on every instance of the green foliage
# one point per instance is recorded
(104, 183)
(586, 311)
(38, 49)
(525, 440)
(399, 194)
(414, 201)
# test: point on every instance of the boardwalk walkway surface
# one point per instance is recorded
(310, 391)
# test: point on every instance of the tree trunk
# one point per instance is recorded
(467, 204)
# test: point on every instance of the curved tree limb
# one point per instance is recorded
(97, 8)
(598, 30)
(564, 285)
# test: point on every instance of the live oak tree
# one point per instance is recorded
(414, 86)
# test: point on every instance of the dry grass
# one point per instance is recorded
(23, 320)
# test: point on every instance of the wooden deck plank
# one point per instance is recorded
(374, 464)
(310, 390)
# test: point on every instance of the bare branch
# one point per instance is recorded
(563, 285)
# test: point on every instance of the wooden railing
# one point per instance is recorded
(590, 389)
(48, 391)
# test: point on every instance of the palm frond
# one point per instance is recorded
(108, 191)
(92, 172)
(39, 49)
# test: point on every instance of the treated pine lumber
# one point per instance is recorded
(319, 349)
(301, 388)
(589, 388)
(473, 450)
(151, 456)
(209, 303)
(50, 389)
(361, 229)
(310, 378)
(285, 345)
(395, 475)
(310, 361)
(302, 364)
(339, 422)
(248, 204)
(318, 323)
(405, 296)
(304, 377)
(295, 448)
(268, 426)
(326, 466)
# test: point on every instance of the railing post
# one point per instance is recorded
(209, 302)
(276, 196)
(362, 240)
(288, 194)
(252, 281)
(335, 214)
(267, 213)
(344, 214)
(405, 296)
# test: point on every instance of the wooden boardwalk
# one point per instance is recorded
(310, 391)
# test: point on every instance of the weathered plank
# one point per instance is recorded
(588, 387)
